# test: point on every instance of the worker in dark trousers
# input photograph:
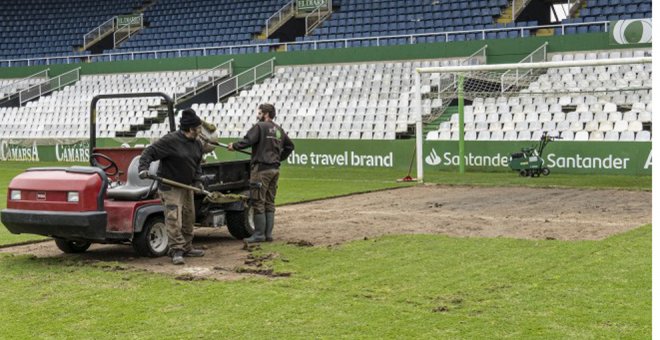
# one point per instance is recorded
(270, 146)
(180, 154)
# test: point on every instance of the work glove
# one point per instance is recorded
(144, 174)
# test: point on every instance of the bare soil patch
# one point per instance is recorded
(526, 213)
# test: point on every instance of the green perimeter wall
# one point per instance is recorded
(629, 158)
(499, 51)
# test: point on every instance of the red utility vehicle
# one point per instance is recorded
(107, 202)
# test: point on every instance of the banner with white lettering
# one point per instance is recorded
(631, 158)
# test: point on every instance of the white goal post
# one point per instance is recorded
(500, 80)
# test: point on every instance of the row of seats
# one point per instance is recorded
(612, 136)
(178, 41)
(420, 27)
(638, 112)
(394, 6)
(645, 8)
(634, 122)
(429, 38)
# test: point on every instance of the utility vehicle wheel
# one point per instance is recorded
(523, 173)
(545, 171)
(152, 241)
(241, 223)
(71, 246)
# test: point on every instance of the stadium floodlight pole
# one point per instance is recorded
(418, 126)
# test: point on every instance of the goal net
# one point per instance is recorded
(578, 96)
(606, 79)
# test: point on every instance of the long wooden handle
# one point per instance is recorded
(222, 145)
(180, 185)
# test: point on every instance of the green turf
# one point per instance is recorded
(303, 184)
(416, 286)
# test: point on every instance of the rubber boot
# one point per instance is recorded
(259, 230)
(270, 222)
(177, 257)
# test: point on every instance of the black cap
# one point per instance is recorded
(189, 119)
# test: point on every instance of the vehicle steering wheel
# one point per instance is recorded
(108, 167)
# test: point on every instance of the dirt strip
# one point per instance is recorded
(526, 213)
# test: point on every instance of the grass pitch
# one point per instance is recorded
(413, 286)
(410, 286)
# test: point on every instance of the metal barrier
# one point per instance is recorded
(266, 47)
(12, 88)
(272, 23)
(99, 31)
(216, 73)
(49, 85)
(316, 17)
(512, 78)
(248, 77)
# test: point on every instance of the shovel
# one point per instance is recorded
(212, 197)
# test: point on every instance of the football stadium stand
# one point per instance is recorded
(55, 28)
(65, 113)
(38, 28)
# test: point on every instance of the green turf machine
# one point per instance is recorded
(529, 161)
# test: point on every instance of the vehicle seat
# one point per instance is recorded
(135, 188)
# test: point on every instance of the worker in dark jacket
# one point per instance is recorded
(270, 146)
(180, 154)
